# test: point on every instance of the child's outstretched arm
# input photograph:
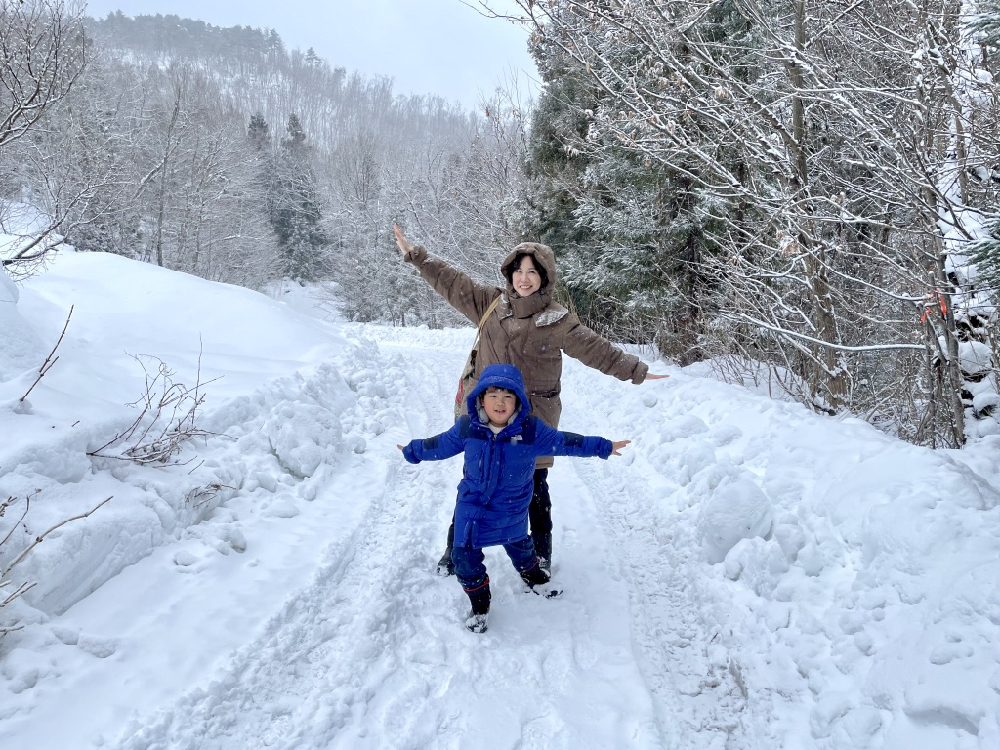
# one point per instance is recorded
(551, 442)
(436, 448)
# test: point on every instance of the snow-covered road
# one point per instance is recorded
(369, 651)
(748, 575)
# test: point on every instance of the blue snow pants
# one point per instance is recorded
(471, 572)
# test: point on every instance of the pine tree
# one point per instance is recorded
(986, 248)
(988, 24)
(624, 220)
(265, 168)
(296, 214)
(259, 133)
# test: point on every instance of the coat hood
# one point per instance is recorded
(500, 376)
(543, 257)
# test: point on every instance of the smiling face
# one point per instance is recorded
(499, 405)
(525, 279)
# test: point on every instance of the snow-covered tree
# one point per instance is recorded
(43, 52)
(806, 142)
(295, 210)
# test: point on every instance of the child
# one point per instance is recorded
(501, 440)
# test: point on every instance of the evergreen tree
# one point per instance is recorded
(986, 248)
(265, 177)
(624, 220)
(296, 214)
(556, 166)
(259, 133)
(988, 24)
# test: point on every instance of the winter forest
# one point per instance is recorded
(798, 197)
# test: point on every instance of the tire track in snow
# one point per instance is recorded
(306, 669)
(689, 680)
(672, 626)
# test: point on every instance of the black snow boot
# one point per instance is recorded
(543, 548)
(537, 580)
(540, 518)
(479, 598)
(445, 566)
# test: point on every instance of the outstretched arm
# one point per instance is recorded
(460, 291)
(588, 346)
(551, 442)
(436, 448)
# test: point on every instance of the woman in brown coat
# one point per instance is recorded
(529, 330)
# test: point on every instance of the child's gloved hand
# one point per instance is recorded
(617, 445)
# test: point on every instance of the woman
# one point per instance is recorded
(526, 329)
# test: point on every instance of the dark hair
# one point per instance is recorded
(508, 270)
(511, 391)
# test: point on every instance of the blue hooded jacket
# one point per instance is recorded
(495, 491)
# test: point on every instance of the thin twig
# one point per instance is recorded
(27, 504)
(49, 361)
(154, 437)
(41, 537)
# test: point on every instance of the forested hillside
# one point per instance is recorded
(218, 152)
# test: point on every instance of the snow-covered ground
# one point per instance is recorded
(748, 575)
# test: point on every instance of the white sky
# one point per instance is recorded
(442, 47)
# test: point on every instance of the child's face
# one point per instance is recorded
(499, 405)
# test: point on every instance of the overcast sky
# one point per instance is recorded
(427, 46)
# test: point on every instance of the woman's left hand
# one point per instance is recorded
(651, 376)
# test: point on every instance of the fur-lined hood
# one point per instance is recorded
(543, 258)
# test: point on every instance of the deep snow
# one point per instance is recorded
(747, 575)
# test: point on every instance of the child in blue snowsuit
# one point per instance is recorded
(501, 440)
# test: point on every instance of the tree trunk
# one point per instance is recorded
(828, 380)
(164, 173)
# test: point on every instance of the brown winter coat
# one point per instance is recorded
(529, 332)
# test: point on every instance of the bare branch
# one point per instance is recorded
(49, 360)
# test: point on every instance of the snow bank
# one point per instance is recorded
(852, 580)
(21, 350)
(267, 381)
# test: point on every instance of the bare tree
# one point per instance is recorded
(42, 54)
(813, 138)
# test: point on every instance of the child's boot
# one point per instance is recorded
(537, 580)
(479, 598)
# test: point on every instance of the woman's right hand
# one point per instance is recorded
(401, 243)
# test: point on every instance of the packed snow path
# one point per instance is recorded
(371, 651)
(747, 575)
